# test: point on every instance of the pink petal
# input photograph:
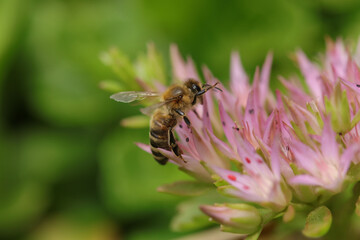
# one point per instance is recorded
(159, 87)
(251, 113)
(144, 147)
(354, 86)
(329, 146)
(195, 120)
(296, 92)
(239, 81)
(243, 195)
(223, 147)
(305, 116)
(187, 138)
(304, 180)
(225, 96)
(207, 152)
(265, 78)
(246, 186)
(347, 157)
(268, 131)
(191, 69)
(216, 123)
(337, 57)
(206, 114)
(275, 157)
(357, 53)
(191, 165)
(353, 72)
(304, 155)
(178, 64)
(311, 73)
(285, 169)
(228, 125)
(265, 149)
(254, 164)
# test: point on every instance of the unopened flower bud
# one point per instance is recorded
(239, 218)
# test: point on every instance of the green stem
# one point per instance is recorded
(343, 208)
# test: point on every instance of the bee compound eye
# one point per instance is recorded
(195, 88)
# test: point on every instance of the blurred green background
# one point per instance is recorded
(68, 170)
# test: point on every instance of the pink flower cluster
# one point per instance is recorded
(272, 149)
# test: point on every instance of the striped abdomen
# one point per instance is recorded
(160, 135)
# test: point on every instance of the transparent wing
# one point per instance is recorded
(130, 96)
(150, 109)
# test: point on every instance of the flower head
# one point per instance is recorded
(324, 165)
(274, 151)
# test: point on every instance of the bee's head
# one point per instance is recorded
(195, 88)
(193, 85)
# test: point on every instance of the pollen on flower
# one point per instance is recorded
(248, 160)
(187, 139)
(231, 177)
(223, 123)
(180, 126)
(251, 111)
(358, 85)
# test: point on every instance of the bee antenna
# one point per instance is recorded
(218, 89)
(207, 87)
(214, 86)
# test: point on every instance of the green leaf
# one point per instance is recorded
(50, 156)
(189, 217)
(357, 207)
(23, 206)
(130, 176)
(254, 236)
(186, 188)
(138, 121)
(12, 16)
(355, 119)
(318, 222)
(311, 106)
(121, 65)
(82, 220)
(298, 131)
(345, 111)
(289, 214)
(151, 66)
(338, 107)
(111, 86)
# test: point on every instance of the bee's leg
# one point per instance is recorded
(206, 88)
(181, 113)
(187, 121)
(173, 145)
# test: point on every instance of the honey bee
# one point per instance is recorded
(175, 102)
